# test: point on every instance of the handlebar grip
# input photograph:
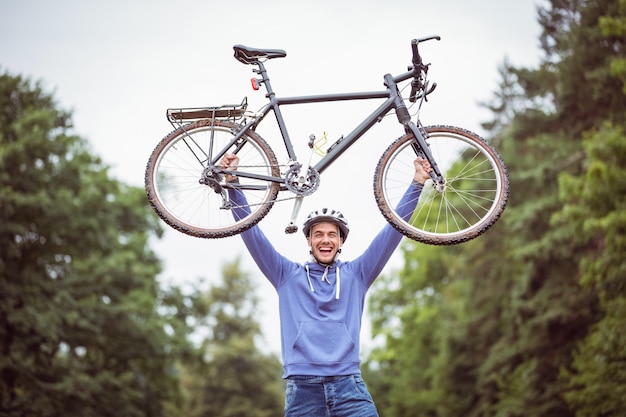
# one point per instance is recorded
(417, 59)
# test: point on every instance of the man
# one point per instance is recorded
(321, 304)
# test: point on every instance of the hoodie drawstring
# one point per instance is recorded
(325, 278)
(338, 285)
(309, 277)
(325, 274)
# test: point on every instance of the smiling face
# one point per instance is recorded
(324, 241)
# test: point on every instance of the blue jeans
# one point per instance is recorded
(328, 396)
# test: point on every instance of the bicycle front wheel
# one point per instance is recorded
(190, 196)
(472, 199)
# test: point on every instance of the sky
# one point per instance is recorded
(119, 64)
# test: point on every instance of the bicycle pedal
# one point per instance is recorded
(291, 229)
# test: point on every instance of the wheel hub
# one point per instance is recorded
(212, 179)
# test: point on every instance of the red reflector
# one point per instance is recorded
(255, 84)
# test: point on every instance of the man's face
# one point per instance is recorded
(324, 241)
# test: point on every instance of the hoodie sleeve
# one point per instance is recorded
(271, 263)
(378, 253)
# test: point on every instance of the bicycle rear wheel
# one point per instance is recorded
(473, 198)
(190, 197)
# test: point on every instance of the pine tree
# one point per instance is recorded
(234, 378)
(80, 333)
(520, 322)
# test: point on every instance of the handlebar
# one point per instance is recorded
(418, 67)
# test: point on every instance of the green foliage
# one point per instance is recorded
(85, 329)
(418, 315)
(527, 320)
(595, 207)
(233, 378)
(80, 333)
(614, 27)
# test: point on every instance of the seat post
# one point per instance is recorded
(265, 79)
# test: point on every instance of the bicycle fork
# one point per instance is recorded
(422, 149)
(420, 146)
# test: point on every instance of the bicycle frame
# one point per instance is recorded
(342, 144)
(393, 100)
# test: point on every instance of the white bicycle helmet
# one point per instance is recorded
(326, 215)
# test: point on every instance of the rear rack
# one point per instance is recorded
(224, 112)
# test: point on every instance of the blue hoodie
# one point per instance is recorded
(321, 306)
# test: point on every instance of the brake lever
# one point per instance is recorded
(414, 96)
(431, 89)
(415, 86)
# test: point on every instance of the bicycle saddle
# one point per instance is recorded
(247, 55)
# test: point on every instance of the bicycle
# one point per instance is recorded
(185, 184)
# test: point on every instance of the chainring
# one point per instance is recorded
(300, 184)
